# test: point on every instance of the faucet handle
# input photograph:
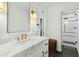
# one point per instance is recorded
(22, 36)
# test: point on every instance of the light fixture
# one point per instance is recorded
(66, 21)
(2, 8)
(33, 14)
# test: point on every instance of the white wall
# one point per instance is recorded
(3, 25)
(54, 20)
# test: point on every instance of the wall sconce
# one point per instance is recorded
(2, 7)
(66, 21)
(33, 14)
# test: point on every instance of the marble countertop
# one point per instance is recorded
(12, 48)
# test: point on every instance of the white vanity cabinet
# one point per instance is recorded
(45, 48)
(38, 50)
(35, 51)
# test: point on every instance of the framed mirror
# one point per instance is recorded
(18, 17)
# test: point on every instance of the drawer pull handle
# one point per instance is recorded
(46, 52)
(43, 53)
(46, 43)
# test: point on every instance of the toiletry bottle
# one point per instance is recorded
(17, 38)
(22, 36)
(25, 36)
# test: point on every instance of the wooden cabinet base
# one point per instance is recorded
(52, 46)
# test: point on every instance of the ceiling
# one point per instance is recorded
(42, 4)
(49, 4)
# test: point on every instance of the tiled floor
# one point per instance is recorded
(67, 52)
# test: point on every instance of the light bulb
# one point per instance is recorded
(66, 21)
(2, 7)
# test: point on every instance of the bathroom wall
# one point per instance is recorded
(54, 20)
(3, 25)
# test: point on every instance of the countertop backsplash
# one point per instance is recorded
(4, 38)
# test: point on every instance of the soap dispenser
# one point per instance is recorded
(25, 36)
(22, 36)
(18, 39)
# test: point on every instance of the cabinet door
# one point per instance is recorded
(36, 51)
(45, 53)
(39, 50)
(36, 54)
(45, 45)
(45, 48)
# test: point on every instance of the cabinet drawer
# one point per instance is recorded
(35, 49)
(45, 53)
(45, 45)
(28, 50)
(35, 54)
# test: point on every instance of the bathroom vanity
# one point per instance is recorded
(33, 46)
